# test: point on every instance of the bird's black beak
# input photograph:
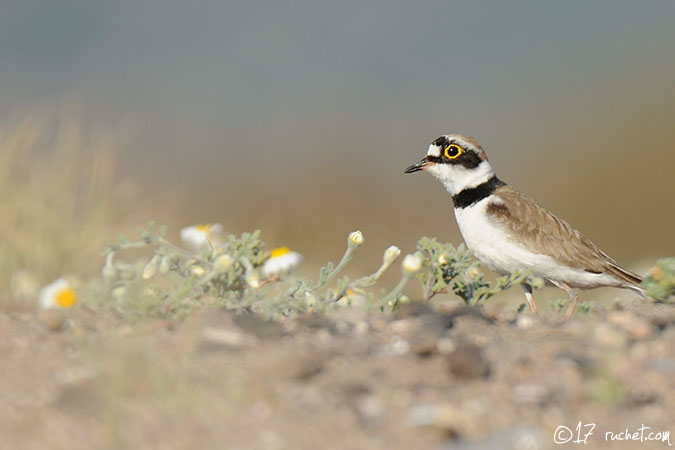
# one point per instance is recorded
(418, 166)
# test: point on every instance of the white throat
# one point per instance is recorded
(456, 178)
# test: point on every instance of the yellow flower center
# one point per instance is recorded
(202, 228)
(279, 251)
(65, 298)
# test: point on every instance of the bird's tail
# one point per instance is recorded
(631, 280)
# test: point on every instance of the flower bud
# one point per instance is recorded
(150, 268)
(109, 271)
(223, 263)
(119, 293)
(390, 255)
(355, 239)
(126, 271)
(310, 299)
(252, 280)
(473, 273)
(197, 271)
(412, 263)
(165, 265)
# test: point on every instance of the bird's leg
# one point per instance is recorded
(571, 293)
(528, 295)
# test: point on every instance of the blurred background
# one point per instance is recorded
(299, 117)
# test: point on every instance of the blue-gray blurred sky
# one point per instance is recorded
(300, 116)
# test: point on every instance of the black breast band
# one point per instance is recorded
(468, 197)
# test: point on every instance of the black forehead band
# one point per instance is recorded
(441, 142)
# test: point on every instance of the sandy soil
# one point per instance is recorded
(457, 379)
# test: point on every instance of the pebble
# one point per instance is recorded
(398, 348)
(298, 365)
(423, 344)
(468, 361)
(400, 326)
(443, 416)
(524, 322)
(370, 409)
(54, 319)
(519, 438)
(361, 327)
(445, 346)
(224, 337)
(637, 327)
(608, 336)
(261, 328)
(531, 394)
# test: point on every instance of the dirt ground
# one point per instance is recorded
(418, 379)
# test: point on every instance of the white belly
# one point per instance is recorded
(492, 246)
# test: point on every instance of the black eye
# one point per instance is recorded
(452, 151)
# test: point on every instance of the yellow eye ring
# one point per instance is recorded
(452, 151)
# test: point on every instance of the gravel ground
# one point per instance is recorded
(457, 379)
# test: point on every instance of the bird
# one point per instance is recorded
(508, 231)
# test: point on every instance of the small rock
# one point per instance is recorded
(531, 394)
(642, 395)
(445, 346)
(224, 337)
(54, 319)
(524, 322)
(662, 365)
(520, 438)
(342, 326)
(401, 326)
(361, 327)
(413, 309)
(316, 322)
(299, 366)
(398, 347)
(370, 409)
(263, 329)
(423, 344)
(455, 421)
(658, 314)
(609, 336)
(438, 322)
(444, 417)
(637, 327)
(467, 361)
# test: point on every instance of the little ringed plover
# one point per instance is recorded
(508, 231)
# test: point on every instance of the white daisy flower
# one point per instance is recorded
(281, 260)
(59, 294)
(201, 237)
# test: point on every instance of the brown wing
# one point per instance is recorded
(549, 235)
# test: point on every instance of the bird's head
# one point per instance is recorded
(458, 161)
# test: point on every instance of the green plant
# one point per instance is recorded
(174, 281)
(450, 268)
(659, 283)
(585, 307)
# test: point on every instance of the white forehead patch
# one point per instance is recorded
(434, 150)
